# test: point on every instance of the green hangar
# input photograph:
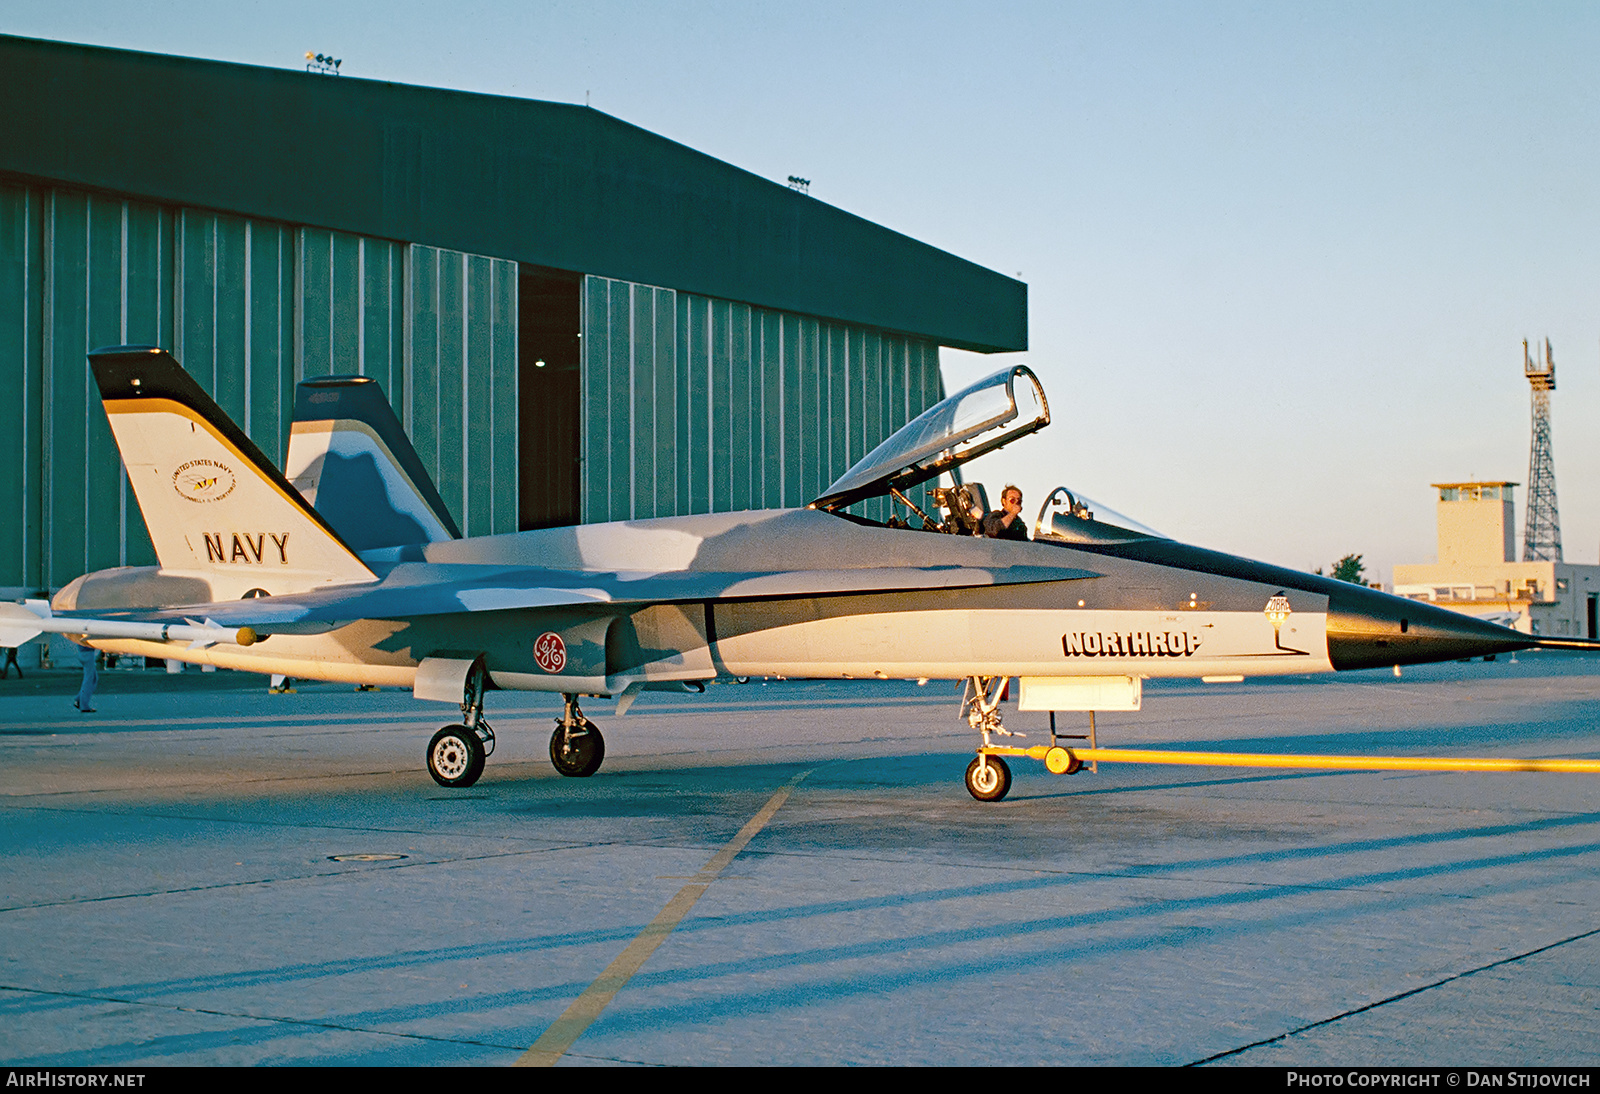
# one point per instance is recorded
(576, 320)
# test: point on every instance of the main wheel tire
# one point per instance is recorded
(988, 782)
(455, 757)
(583, 757)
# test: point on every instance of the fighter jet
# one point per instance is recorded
(349, 568)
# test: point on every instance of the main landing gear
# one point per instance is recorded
(576, 747)
(457, 753)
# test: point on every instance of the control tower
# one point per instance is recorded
(1476, 573)
(1541, 531)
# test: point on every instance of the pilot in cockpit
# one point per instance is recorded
(1006, 522)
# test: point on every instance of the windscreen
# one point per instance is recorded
(1075, 518)
(992, 412)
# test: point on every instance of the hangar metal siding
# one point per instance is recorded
(22, 413)
(698, 405)
(249, 307)
(690, 403)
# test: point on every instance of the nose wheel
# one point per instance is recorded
(988, 778)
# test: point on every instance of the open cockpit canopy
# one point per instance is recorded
(992, 412)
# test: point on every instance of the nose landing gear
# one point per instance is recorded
(988, 776)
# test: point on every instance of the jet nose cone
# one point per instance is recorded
(1374, 630)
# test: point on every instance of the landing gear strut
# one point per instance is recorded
(457, 753)
(988, 777)
(576, 747)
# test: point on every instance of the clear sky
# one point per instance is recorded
(1281, 257)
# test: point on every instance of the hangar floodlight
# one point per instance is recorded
(325, 63)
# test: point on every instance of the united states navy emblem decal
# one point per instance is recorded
(203, 480)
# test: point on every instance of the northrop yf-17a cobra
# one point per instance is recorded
(347, 566)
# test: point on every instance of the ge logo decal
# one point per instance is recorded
(549, 652)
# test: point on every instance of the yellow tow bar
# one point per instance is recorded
(1067, 761)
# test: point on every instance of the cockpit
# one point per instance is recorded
(986, 416)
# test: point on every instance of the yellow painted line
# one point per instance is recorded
(566, 1030)
(1332, 763)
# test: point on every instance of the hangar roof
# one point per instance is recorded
(545, 183)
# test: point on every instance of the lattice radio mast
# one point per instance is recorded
(1541, 532)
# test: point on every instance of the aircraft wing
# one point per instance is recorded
(422, 589)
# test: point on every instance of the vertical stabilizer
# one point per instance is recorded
(351, 459)
(214, 504)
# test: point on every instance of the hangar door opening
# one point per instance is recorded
(548, 425)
